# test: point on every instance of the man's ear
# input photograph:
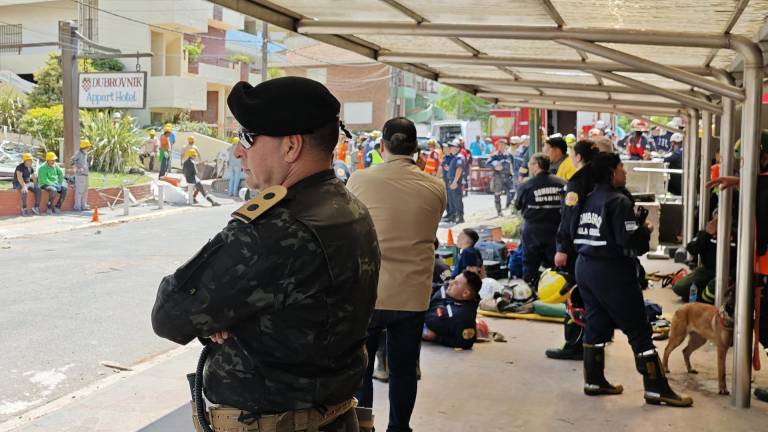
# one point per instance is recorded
(292, 147)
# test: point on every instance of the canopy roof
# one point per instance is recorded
(544, 52)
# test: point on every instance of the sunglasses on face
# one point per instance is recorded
(247, 139)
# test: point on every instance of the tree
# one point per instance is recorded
(472, 107)
(12, 107)
(108, 65)
(47, 93)
(48, 90)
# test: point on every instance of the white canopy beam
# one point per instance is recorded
(681, 97)
(644, 65)
(578, 99)
(604, 108)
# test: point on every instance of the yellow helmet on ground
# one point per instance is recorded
(50, 156)
(85, 144)
(554, 286)
(25, 157)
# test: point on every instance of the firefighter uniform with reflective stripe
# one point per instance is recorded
(539, 199)
(453, 321)
(608, 238)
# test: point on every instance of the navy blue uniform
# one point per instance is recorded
(576, 190)
(456, 162)
(447, 179)
(469, 257)
(539, 199)
(663, 143)
(675, 161)
(608, 239)
(453, 321)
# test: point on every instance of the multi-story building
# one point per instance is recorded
(162, 27)
(369, 92)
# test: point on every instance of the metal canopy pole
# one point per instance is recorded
(578, 99)
(644, 65)
(517, 62)
(691, 173)
(607, 108)
(706, 158)
(684, 177)
(750, 154)
(724, 202)
(687, 99)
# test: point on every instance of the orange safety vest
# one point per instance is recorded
(341, 154)
(433, 163)
(360, 159)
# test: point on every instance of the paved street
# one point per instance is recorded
(74, 299)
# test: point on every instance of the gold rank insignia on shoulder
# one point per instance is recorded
(264, 201)
(571, 199)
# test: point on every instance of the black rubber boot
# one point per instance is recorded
(657, 390)
(459, 219)
(213, 202)
(573, 348)
(761, 393)
(595, 383)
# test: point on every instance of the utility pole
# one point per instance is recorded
(264, 51)
(69, 47)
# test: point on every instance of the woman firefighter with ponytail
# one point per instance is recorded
(608, 237)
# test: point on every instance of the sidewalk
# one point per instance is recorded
(17, 227)
(494, 387)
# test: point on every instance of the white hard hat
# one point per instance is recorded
(515, 139)
(677, 137)
(523, 138)
(521, 291)
(556, 135)
(600, 124)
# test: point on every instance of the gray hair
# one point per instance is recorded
(542, 160)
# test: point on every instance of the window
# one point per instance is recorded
(10, 34)
(358, 112)
(89, 19)
(318, 74)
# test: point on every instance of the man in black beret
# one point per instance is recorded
(283, 295)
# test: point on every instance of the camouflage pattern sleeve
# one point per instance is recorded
(244, 270)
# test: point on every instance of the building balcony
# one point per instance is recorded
(173, 92)
(218, 74)
(189, 16)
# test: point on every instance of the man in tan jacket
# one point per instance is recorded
(406, 205)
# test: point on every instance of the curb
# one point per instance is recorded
(119, 220)
(78, 395)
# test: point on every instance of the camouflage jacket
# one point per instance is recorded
(296, 287)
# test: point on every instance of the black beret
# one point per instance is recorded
(283, 106)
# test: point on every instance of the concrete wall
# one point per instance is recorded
(39, 23)
(176, 92)
(355, 84)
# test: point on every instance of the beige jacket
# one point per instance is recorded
(406, 205)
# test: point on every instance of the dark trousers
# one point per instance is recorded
(539, 245)
(403, 346)
(456, 195)
(613, 299)
(165, 166)
(574, 333)
(450, 210)
(151, 157)
(52, 190)
(23, 191)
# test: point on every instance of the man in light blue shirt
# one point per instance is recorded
(477, 148)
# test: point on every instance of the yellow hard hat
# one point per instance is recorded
(85, 144)
(192, 153)
(151, 132)
(26, 157)
(167, 127)
(190, 139)
(570, 139)
(554, 286)
(234, 140)
(375, 134)
(50, 156)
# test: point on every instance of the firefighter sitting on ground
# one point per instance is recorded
(450, 320)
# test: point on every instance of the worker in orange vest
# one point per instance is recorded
(432, 164)
(341, 149)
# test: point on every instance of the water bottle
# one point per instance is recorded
(693, 293)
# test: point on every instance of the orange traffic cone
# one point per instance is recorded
(450, 238)
(95, 215)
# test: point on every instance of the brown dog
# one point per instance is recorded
(702, 323)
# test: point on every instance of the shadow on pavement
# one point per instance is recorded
(179, 419)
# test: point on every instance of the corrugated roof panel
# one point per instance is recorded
(554, 92)
(678, 15)
(752, 19)
(416, 44)
(503, 12)
(523, 48)
(723, 59)
(561, 76)
(502, 89)
(471, 71)
(357, 10)
(662, 54)
(654, 80)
